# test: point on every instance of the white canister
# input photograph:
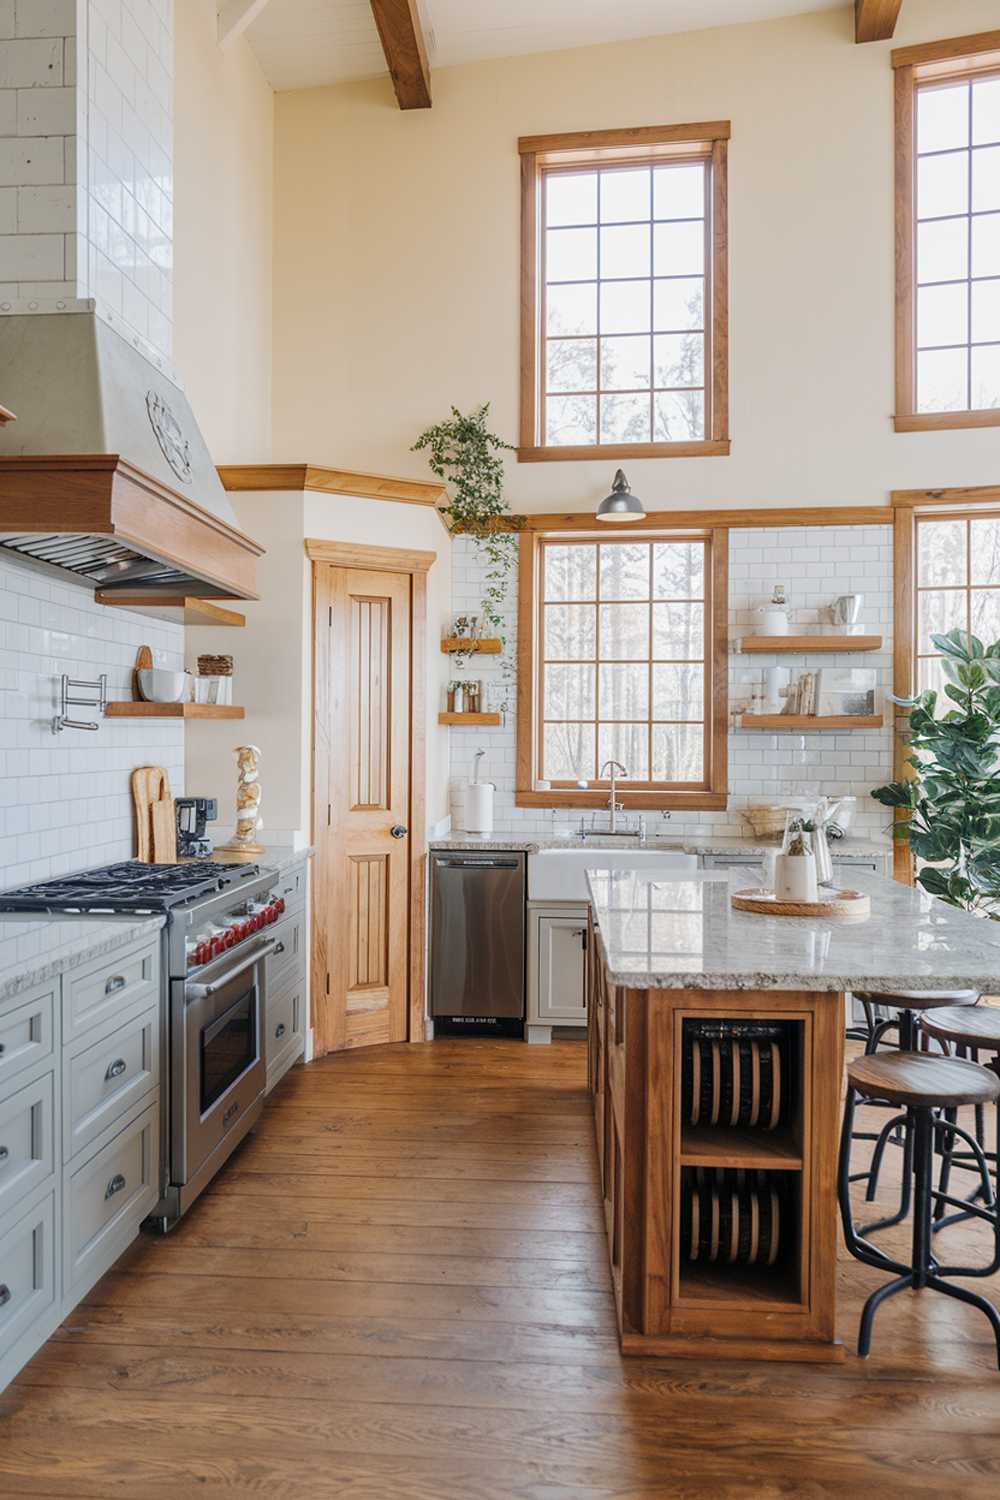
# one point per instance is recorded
(795, 877)
(772, 619)
(478, 815)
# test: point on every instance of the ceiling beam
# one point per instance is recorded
(406, 56)
(875, 20)
(235, 16)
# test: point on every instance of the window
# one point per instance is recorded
(948, 233)
(958, 585)
(624, 659)
(624, 293)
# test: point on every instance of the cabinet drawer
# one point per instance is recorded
(108, 989)
(291, 886)
(26, 1031)
(104, 1081)
(107, 1198)
(284, 967)
(27, 1272)
(27, 1131)
(284, 1020)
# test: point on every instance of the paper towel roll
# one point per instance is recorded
(479, 807)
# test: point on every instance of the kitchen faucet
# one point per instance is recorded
(616, 769)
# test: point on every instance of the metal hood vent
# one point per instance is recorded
(105, 475)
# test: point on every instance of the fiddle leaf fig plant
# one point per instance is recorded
(950, 811)
(466, 455)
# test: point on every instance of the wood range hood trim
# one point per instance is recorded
(102, 494)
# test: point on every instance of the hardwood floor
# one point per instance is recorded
(399, 1289)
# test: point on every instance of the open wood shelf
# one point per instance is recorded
(456, 645)
(809, 721)
(800, 643)
(182, 609)
(483, 720)
(174, 711)
(739, 1146)
(739, 1285)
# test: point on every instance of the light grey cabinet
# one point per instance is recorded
(79, 1136)
(557, 947)
(285, 1014)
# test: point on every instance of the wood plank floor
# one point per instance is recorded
(398, 1291)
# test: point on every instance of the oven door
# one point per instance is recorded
(219, 1066)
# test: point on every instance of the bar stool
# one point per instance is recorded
(917, 1083)
(968, 1030)
(910, 1005)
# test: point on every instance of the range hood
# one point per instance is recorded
(105, 474)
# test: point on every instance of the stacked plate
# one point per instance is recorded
(731, 1217)
(735, 1073)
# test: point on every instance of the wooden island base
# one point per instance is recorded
(722, 1236)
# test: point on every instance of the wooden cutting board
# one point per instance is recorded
(155, 816)
(143, 663)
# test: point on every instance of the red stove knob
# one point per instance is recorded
(199, 955)
(244, 930)
(256, 922)
(280, 905)
(230, 936)
(217, 946)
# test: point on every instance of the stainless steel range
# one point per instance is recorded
(215, 944)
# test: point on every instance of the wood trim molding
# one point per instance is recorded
(629, 138)
(905, 198)
(707, 448)
(331, 481)
(402, 39)
(718, 748)
(982, 45)
(718, 333)
(418, 805)
(875, 20)
(944, 421)
(705, 520)
(530, 330)
(903, 656)
(359, 555)
(981, 494)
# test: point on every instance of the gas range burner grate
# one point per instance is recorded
(129, 887)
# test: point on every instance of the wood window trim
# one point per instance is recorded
(715, 795)
(958, 58)
(707, 140)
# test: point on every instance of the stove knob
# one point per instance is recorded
(229, 936)
(256, 922)
(198, 956)
(280, 904)
(242, 930)
(217, 946)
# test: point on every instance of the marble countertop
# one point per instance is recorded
(686, 843)
(674, 931)
(35, 949)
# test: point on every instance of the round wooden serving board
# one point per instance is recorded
(845, 906)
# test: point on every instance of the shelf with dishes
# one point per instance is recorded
(809, 721)
(484, 721)
(458, 645)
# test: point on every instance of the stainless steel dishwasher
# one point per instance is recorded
(477, 942)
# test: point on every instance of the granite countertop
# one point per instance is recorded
(34, 949)
(275, 857)
(674, 931)
(686, 843)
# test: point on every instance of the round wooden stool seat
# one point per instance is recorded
(969, 1025)
(918, 999)
(922, 1080)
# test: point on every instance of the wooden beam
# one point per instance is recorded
(235, 16)
(875, 20)
(405, 54)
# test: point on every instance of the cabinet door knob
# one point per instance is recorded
(279, 1030)
(116, 1069)
(4, 1295)
(114, 1186)
(278, 948)
(115, 983)
(398, 831)
(4, 1153)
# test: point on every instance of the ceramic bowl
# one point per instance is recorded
(160, 686)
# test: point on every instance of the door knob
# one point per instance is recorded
(398, 831)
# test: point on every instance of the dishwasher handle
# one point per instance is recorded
(479, 864)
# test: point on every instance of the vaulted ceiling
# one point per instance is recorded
(306, 43)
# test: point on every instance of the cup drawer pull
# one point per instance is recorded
(115, 983)
(4, 1153)
(278, 948)
(5, 1295)
(116, 1069)
(279, 1030)
(114, 1186)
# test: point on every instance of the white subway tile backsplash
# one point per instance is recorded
(816, 564)
(65, 799)
(43, 18)
(46, 111)
(31, 255)
(28, 64)
(30, 163)
(43, 210)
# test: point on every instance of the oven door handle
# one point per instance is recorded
(202, 991)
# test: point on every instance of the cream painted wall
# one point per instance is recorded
(396, 259)
(273, 655)
(223, 223)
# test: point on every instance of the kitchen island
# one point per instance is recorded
(715, 1068)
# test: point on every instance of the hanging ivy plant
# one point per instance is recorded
(465, 454)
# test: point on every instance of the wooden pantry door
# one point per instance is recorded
(369, 853)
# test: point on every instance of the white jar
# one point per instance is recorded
(772, 619)
(795, 877)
